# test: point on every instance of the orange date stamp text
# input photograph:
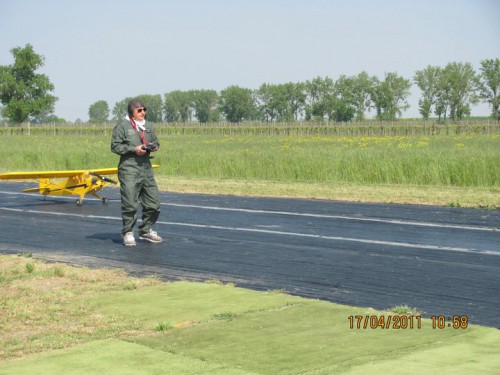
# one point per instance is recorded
(385, 321)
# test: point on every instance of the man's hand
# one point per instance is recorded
(139, 151)
(150, 147)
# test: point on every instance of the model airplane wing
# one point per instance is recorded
(58, 174)
(54, 174)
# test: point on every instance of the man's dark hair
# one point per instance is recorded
(133, 104)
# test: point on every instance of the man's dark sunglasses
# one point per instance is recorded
(139, 110)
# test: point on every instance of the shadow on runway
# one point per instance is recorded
(112, 237)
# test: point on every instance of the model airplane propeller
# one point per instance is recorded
(78, 182)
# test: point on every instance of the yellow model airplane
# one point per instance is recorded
(78, 182)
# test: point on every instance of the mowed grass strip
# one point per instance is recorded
(61, 319)
(114, 357)
(313, 338)
(472, 197)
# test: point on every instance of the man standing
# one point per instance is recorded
(134, 140)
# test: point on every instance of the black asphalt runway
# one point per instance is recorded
(442, 261)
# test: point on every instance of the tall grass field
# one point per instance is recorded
(464, 159)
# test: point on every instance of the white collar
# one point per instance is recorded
(140, 124)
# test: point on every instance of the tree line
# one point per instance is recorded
(446, 92)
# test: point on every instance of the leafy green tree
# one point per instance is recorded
(461, 87)
(320, 94)
(443, 95)
(281, 102)
(237, 104)
(205, 104)
(99, 112)
(178, 106)
(120, 109)
(24, 93)
(390, 96)
(490, 85)
(361, 94)
(295, 95)
(343, 103)
(264, 98)
(427, 81)
(342, 110)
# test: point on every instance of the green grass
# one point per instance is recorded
(456, 170)
(164, 326)
(84, 321)
(404, 310)
(432, 161)
(455, 161)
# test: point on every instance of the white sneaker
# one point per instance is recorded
(128, 239)
(151, 236)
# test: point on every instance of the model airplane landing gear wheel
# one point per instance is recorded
(79, 202)
(105, 200)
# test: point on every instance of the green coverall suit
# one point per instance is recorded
(136, 176)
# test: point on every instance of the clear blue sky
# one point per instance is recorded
(108, 50)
